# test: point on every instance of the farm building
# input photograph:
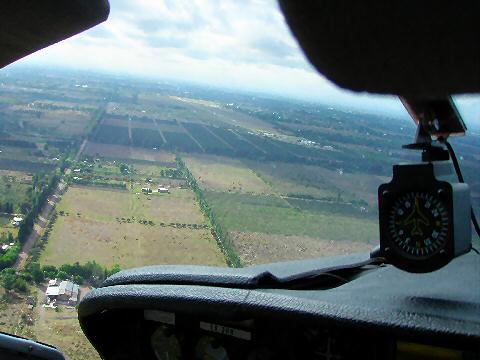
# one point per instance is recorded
(146, 190)
(163, 190)
(17, 220)
(65, 292)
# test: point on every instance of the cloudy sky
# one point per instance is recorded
(226, 43)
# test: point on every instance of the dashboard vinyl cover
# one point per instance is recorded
(443, 305)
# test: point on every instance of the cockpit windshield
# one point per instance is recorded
(183, 132)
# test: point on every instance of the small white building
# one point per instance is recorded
(17, 220)
(65, 292)
(5, 247)
(163, 190)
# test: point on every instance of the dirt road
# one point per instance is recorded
(80, 150)
(44, 214)
(40, 224)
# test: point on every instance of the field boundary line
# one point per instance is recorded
(191, 136)
(130, 129)
(159, 131)
(218, 137)
(248, 141)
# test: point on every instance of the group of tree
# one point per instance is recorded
(172, 173)
(221, 235)
(6, 207)
(42, 241)
(10, 280)
(43, 186)
(19, 281)
(91, 272)
(8, 258)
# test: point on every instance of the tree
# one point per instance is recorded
(115, 268)
(36, 272)
(14, 282)
(62, 275)
(77, 279)
(49, 271)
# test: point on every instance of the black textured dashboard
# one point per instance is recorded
(439, 308)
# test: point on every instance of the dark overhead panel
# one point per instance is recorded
(408, 47)
(30, 25)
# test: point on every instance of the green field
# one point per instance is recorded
(109, 226)
(277, 179)
(14, 186)
(319, 182)
(273, 215)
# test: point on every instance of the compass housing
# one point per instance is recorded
(424, 221)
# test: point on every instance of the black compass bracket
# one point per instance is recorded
(424, 218)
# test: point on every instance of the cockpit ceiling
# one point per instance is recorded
(411, 48)
(30, 25)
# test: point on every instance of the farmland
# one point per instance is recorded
(225, 174)
(120, 152)
(60, 329)
(108, 226)
(262, 180)
(260, 248)
(274, 215)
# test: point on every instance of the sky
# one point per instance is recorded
(229, 44)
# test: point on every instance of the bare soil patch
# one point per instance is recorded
(257, 248)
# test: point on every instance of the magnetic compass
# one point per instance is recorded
(418, 224)
(424, 222)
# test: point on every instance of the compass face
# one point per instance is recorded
(418, 224)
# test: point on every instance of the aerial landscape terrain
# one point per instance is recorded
(100, 173)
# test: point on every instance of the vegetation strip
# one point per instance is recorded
(220, 234)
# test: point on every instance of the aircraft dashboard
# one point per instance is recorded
(379, 313)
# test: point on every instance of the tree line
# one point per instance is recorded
(42, 187)
(39, 198)
(91, 273)
(221, 235)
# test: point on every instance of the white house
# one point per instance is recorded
(17, 220)
(64, 292)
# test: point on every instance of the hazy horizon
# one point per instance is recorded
(228, 45)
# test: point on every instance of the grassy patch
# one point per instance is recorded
(273, 215)
(319, 182)
(258, 248)
(108, 227)
(13, 189)
(225, 174)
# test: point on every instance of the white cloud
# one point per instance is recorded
(227, 43)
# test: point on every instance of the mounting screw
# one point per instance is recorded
(443, 252)
(30, 348)
(386, 250)
(440, 192)
(385, 193)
